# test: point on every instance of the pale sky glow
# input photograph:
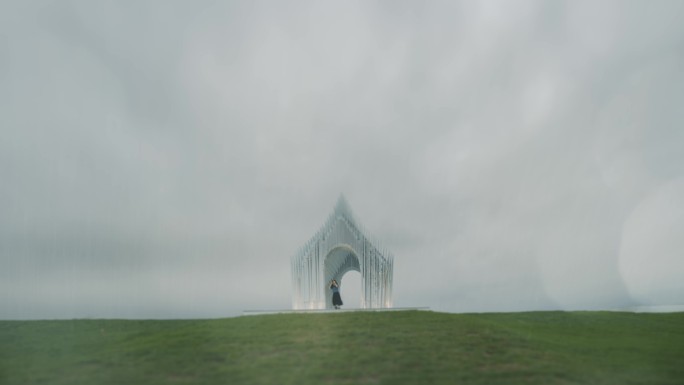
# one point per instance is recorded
(165, 159)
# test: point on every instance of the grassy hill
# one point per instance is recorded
(408, 347)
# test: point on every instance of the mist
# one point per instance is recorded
(166, 159)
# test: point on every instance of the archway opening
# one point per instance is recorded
(350, 289)
(337, 263)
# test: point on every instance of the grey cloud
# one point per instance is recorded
(166, 159)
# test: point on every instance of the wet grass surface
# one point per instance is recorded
(408, 347)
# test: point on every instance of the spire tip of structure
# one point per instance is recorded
(342, 206)
(341, 202)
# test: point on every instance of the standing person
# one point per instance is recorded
(336, 299)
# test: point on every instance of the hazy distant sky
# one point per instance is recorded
(167, 158)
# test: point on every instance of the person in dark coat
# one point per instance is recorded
(336, 299)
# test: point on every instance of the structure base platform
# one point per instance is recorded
(320, 311)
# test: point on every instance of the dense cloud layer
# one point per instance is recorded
(165, 159)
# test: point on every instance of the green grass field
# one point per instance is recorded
(405, 347)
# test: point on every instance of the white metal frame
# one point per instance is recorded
(341, 245)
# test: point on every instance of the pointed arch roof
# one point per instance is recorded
(343, 212)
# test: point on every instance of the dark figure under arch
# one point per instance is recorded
(336, 298)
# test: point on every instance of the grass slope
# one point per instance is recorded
(351, 348)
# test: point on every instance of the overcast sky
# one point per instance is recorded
(167, 158)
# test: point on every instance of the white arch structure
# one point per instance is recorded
(341, 245)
